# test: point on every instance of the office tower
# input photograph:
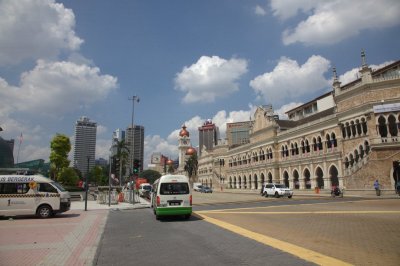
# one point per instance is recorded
(135, 141)
(238, 133)
(85, 144)
(208, 136)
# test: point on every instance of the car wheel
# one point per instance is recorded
(45, 211)
(276, 195)
(266, 195)
(290, 196)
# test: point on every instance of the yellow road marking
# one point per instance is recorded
(304, 212)
(297, 251)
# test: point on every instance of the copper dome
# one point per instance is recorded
(184, 132)
(190, 151)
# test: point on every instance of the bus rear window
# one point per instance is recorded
(174, 188)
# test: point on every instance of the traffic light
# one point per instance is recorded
(136, 166)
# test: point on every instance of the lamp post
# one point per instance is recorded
(134, 99)
(86, 182)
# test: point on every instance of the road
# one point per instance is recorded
(300, 231)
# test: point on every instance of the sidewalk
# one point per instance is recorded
(93, 205)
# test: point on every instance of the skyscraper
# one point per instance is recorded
(85, 144)
(238, 133)
(135, 141)
(208, 136)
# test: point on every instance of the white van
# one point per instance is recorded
(171, 196)
(144, 189)
(32, 195)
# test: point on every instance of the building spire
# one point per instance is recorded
(363, 59)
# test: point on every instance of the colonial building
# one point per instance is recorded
(347, 137)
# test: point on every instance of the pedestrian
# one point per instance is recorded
(377, 189)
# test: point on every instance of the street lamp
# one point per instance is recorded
(134, 99)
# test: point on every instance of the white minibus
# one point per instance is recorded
(171, 196)
(32, 195)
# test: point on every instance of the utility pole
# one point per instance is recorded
(134, 99)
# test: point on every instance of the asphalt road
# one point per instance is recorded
(300, 231)
(137, 238)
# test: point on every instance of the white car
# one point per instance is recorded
(277, 190)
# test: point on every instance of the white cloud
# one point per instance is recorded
(57, 87)
(332, 21)
(210, 78)
(102, 148)
(284, 108)
(258, 10)
(285, 9)
(34, 30)
(354, 73)
(289, 81)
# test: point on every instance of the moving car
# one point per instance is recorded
(205, 189)
(277, 190)
(144, 189)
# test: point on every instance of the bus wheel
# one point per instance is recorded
(44, 211)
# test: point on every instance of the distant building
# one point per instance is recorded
(6, 153)
(85, 144)
(135, 141)
(208, 136)
(101, 162)
(35, 166)
(238, 133)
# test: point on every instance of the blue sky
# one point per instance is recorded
(188, 61)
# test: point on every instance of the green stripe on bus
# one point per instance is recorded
(174, 211)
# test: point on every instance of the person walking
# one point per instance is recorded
(377, 188)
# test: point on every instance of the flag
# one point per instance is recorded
(21, 138)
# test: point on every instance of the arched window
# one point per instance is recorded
(328, 141)
(269, 178)
(303, 148)
(320, 147)
(333, 139)
(296, 148)
(353, 129)
(361, 148)
(283, 151)
(286, 151)
(293, 151)
(296, 179)
(351, 160)
(314, 144)
(348, 130)
(356, 156)
(382, 126)
(392, 126)
(367, 147)
(307, 146)
(343, 131)
(358, 125)
(346, 162)
(320, 177)
(364, 126)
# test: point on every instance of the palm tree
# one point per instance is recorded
(191, 166)
(122, 156)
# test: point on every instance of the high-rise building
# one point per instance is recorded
(6, 153)
(85, 144)
(238, 133)
(208, 136)
(135, 141)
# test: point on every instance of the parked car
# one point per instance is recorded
(205, 189)
(197, 186)
(277, 190)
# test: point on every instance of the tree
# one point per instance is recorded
(68, 176)
(122, 157)
(98, 176)
(191, 166)
(150, 175)
(60, 146)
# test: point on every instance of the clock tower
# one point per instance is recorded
(183, 145)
